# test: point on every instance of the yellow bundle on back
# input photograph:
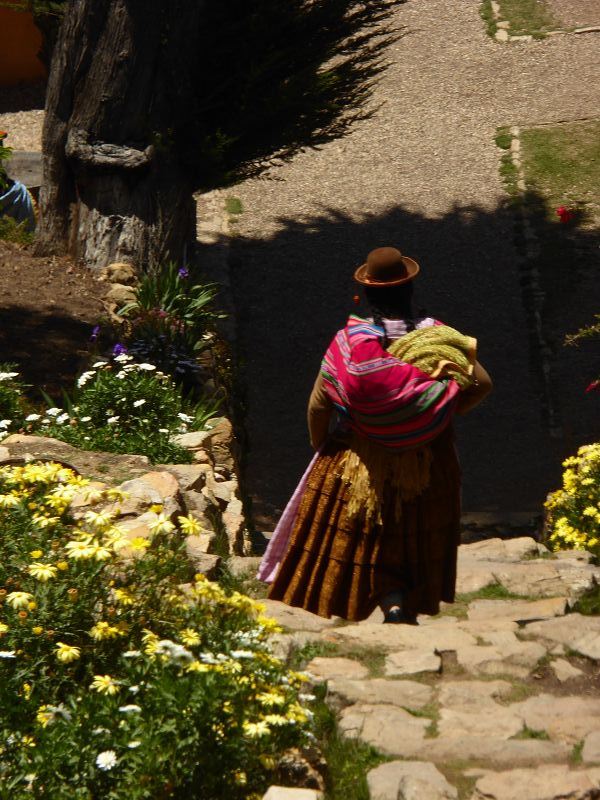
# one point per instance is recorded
(368, 468)
(440, 351)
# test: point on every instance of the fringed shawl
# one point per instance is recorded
(390, 402)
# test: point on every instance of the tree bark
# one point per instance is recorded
(114, 185)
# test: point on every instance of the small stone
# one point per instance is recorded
(512, 657)
(234, 522)
(119, 294)
(503, 25)
(202, 457)
(244, 566)
(191, 477)
(405, 694)
(564, 671)
(193, 440)
(286, 793)
(412, 662)
(4, 453)
(118, 272)
(517, 610)
(591, 748)
(325, 668)
(388, 728)
(295, 619)
(548, 782)
(82, 499)
(567, 719)
(472, 696)
(500, 722)
(205, 563)
(396, 781)
(576, 631)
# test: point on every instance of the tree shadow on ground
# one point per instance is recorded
(23, 97)
(294, 290)
(48, 349)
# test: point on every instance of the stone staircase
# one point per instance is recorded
(496, 698)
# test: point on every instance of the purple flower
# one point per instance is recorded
(183, 273)
(95, 333)
(119, 349)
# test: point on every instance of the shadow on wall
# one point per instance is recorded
(294, 290)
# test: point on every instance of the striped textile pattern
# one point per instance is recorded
(379, 396)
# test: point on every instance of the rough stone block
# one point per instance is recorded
(396, 780)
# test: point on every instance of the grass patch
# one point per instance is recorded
(370, 657)
(509, 174)
(531, 733)
(303, 655)
(245, 584)
(15, 232)
(431, 712)
(503, 138)
(233, 206)
(576, 756)
(589, 603)
(562, 163)
(493, 591)
(487, 15)
(348, 760)
(520, 690)
(454, 774)
(527, 17)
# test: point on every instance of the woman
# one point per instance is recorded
(376, 517)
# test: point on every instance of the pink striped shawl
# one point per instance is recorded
(390, 402)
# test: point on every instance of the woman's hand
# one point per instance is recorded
(480, 388)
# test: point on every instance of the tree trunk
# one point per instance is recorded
(114, 185)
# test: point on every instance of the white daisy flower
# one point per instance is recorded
(112, 420)
(147, 367)
(53, 412)
(84, 378)
(123, 358)
(6, 376)
(185, 417)
(32, 417)
(62, 418)
(85, 419)
(99, 364)
(106, 760)
(133, 745)
(130, 709)
(4, 423)
(138, 403)
(7, 654)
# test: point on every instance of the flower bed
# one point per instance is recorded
(121, 674)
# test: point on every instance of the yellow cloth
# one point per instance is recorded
(439, 351)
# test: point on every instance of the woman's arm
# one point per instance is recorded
(481, 387)
(320, 409)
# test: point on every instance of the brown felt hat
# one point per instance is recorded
(386, 266)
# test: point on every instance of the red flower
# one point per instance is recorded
(565, 214)
(593, 386)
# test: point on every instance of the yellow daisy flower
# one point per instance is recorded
(104, 684)
(42, 572)
(66, 652)
(19, 599)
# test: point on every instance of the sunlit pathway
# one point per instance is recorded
(422, 175)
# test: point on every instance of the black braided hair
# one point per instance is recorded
(391, 302)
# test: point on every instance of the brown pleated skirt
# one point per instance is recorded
(342, 567)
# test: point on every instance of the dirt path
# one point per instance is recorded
(422, 175)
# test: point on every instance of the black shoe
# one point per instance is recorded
(394, 615)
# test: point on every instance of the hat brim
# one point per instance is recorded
(412, 270)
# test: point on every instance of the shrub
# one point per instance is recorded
(574, 510)
(169, 320)
(11, 405)
(117, 681)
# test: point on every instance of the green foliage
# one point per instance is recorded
(117, 682)
(589, 602)
(503, 139)
(11, 400)
(574, 510)
(169, 321)
(233, 205)
(298, 74)
(531, 733)
(485, 10)
(16, 232)
(508, 173)
(527, 16)
(5, 154)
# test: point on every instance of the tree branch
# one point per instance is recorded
(104, 154)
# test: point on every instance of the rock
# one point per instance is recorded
(434, 637)
(197, 502)
(567, 719)
(44, 441)
(235, 526)
(517, 610)
(499, 722)
(492, 750)
(473, 575)
(512, 657)
(244, 566)
(152, 488)
(534, 578)
(472, 696)
(548, 782)
(118, 272)
(138, 526)
(223, 491)
(405, 694)
(388, 728)
(395, 781)
(283, 645)
(221, 442)
(564, 671)
(295, 619)
(577, 575)
(120, 294)
(190, 477)
(286, 793)
(203, 562)
(412, 662)
(503, 25)
(574, 555)
(501, 549)
(591, 748)
(501, 35)
(193, 440)
(576, 631)
(4, 453)
(202, 457)
(84, 497)
(323, 668)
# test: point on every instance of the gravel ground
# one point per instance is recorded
(421, 175)
(583, 12)
(24, 129)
